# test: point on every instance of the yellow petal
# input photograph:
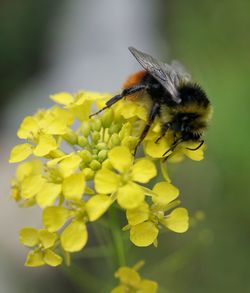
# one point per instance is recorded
(106, 181)
(34, 259)
(47, 238)
(51, 258)
(48, 194)
(31, 185)
(74, 237)
(69, 165)
(62, 98)
(127, 109)
(54, 162)
(177, 221)
(156, 150)
(148, 286)
(28, 128)
(120, 289)
(138, 215)
(128, 276)
(97, 205)
(143, 234)
(143, 171)
(20, 152)
(28, 168)
(63, 114)
(28, 236)
(197, 155)
(55, 217)
(164, 193)
(56, 126)
(46, 144)
(130, 196)
(74, 186)
(120, 158)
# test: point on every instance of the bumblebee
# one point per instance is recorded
(181, 105)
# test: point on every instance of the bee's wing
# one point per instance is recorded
(181, 71)
(169, 76)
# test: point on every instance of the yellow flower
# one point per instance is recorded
(131, 281)
(122, 183)
(74, 236)
(80, 103)
(41, 131)
(144, 221)
(63, 178)
(43, 243)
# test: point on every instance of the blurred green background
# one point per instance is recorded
(212, 39)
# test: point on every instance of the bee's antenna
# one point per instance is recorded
(195, 149)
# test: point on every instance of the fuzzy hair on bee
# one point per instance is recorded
(181, 105)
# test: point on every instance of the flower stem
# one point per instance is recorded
(117, 236)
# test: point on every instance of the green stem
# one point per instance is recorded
(117, 236)
(82, 279)
(101, 238)
(164, 171)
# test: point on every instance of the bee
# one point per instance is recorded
(181, 105)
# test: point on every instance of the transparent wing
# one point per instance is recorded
(181, 71)
(169, 76)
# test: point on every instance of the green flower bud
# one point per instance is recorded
(95, 165)
(89, 173)
(96, 124)
(82, 141)
(102, 155)
(82, 165)
(85, 128)
(101, 146)
(130, 142)
(115, 139)
(107, 118)
(85, 155)
(95, 136)
(95, 156)
(114, 128)
(70, 137)
(94, 151)
(125, 131)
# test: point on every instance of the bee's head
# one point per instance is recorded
(187, 126)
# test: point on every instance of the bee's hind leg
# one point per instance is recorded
(115, 99)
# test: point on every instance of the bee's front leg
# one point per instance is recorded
(124, 93)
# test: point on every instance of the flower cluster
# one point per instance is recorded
(80, 167)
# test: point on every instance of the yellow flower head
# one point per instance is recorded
(123, 180)
(131, 281)
(43, 242)
(83, 166)
(145, 221)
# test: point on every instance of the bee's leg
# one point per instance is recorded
(173, 146)
(125, 92)
(153, 112)
(195, 149)
(164, 129)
